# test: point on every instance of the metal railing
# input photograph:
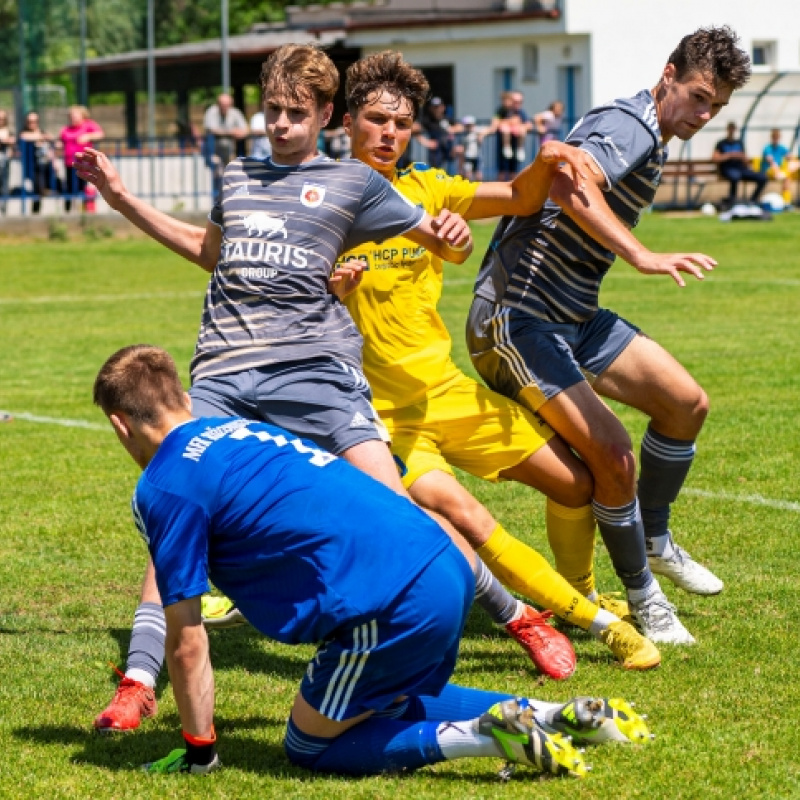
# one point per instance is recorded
(171, 173)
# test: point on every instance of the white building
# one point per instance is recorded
(584, 52)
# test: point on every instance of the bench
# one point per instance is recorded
(683, 183)
(689, 184)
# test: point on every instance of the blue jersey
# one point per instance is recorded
(545, 264)
(301, 541)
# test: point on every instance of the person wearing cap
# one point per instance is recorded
(438, 135)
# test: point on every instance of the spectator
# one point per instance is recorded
(511, 123)
(734, 166)
(259, 143)
(37, 152)
(337, 143)
(224, 126)
(549, 124)
(6, 151)
(776, 165)
(82, 130)
(470, 139)
(437, 135)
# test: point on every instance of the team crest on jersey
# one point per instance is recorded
(312, 195)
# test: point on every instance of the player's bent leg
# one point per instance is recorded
(648, 378)
(368, 745)
(135, 698)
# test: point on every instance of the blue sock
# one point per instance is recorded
(369, 748)
(454, 704)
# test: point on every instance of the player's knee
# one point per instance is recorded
(615, 468)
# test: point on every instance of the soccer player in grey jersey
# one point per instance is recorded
(274, 344)
(536, 333)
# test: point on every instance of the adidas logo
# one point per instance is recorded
(242, 191)
(360, 421)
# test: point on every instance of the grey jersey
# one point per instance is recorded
(545, 264)
(282, 230)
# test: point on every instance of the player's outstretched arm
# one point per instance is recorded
(527, 193)
(189, 666)
(589, 210)
(446, 235)
(199, 245)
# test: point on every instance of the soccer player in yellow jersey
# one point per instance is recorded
(437, 416)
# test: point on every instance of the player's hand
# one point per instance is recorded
(673, 264)
(96, 168)
(453, 229)
(580, 163)
(347, 278)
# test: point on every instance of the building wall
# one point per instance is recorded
(620, 47)
(477, 53)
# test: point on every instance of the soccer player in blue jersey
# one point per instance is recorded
(536, 332)
(274, 344)
(271, 519)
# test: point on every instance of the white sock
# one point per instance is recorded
(601, 622)
(461, 740)
(142, 676)
(660, 545)
(638, 595)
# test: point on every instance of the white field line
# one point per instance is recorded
(95, 298)
(749, 499)
(67, 423)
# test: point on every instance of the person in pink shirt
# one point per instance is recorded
(82, 130)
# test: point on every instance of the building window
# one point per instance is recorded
(764, 54)
(530, 63)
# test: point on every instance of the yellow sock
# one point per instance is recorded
(524, 570)
(570, 532)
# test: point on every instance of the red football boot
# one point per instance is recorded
(132, 701)
(549, 649)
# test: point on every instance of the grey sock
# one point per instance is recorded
(146, 648)
(492, 596)
(623, 535)
(665, 463)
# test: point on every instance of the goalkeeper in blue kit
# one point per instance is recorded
(288, 532)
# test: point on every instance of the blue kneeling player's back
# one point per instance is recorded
(301, 541)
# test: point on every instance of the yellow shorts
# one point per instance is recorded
(467, 426)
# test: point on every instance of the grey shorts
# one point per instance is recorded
(530, 360)
(324, 400)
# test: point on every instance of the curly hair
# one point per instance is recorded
(384, 72)
(712, 51)
(299, 71)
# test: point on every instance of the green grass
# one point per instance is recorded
(70, 560)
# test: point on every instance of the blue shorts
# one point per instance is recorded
(326, 401)
(409, 649)
(531, 360)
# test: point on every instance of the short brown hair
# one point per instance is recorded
(141, 381)
(384, 72)
(298, 71)
(712, 51)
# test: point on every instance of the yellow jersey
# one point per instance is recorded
(406, 344)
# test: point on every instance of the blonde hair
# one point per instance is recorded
(297, 71)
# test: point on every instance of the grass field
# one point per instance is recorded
(70, 561)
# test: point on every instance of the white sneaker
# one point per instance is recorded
(508, 153)
(685, 572)
(520, 154)
(656, 619)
